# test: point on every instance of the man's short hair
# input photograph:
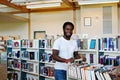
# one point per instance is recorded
(68, 23)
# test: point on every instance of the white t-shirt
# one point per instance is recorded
(66, 49)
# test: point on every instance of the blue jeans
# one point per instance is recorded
(60, 74)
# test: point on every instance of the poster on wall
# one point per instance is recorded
(87, 21)
(39, 34)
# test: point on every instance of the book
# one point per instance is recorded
(92, 44)
(47, 71)
(13, 75)
(110, 60)
(109, 44)
(10, 63)
(9, 43)
(118, 37)
(46, 57)
(78, 43)
(30, 55)
(30, 67)
(24, 43)
(32, 77)
(84, 44)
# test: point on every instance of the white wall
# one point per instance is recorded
(14, 29)
(51, 22)
(96, 14)
(118, 20)
(78, 21)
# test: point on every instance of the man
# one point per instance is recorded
(64, 51)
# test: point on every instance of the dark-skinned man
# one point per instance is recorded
(65, 50)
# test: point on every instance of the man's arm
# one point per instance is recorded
(56, 57)
(59, 59)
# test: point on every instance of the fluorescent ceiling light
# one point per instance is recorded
(44, 2)
(15, 1)
(3, 6)
(86, 2)
(43, 5)
(20, 1)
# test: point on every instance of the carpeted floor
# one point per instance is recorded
(3, 72)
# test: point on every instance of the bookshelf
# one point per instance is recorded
(92, 72)
(109, 51)
(88, 48)
(3, 51)
(30, 58)
(26, 57)
(46, 61)
(13, 59)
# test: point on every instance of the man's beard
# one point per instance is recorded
(68, 35)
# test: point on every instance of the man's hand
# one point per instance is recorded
(84, 59)
(71, 60)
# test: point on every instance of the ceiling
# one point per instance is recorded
(9, 8)
(20, 6)
(12, 7)
(11, 18)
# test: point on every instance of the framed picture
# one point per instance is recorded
(39, 34)
(87, 21)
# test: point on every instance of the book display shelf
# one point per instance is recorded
(88, 48)
(109, 51)
(29, 59)
(107, 63)
(32, 59)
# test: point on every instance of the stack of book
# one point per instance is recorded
(16, 44)
(9, 43)
(90, 57)
(47, 71)
(46, 57)
(14, 63)
(30, 55)
(92, 72)
(31, 77)
(30, 67)
(13, 75)
(48, 43)
(14, 54)
(86, 44)
(109, 44)
(29, 43)
(10, 63)
(24, 43)
(110, 60)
